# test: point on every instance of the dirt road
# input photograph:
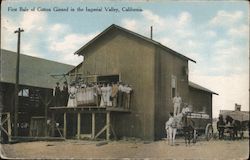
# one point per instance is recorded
(214, 149)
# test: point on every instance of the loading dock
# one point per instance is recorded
(81, 111)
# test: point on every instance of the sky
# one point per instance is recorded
(213, 33)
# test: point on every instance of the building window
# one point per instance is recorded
(24, 93)
(173, 86)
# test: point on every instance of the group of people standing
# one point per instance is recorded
(115, 95)
(99, 94)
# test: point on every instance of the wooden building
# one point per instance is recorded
(35, 90)
(201, 98)
(155, 72)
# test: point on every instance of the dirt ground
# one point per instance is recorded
(213, 149)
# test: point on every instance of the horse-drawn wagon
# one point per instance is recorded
(233, 123)
(193, 124)
(202, 123)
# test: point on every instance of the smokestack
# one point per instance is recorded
(151, 32)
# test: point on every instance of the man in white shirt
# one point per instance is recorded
(185, 109)
(120, 95)
(114, 93)
(177, 104)
(171, 129)
(127, 90)
(98, 93)
(109, 92)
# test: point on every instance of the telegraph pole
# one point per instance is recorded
(17, 81)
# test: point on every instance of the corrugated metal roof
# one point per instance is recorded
(33, 71)
(113, 26)
(196, 86)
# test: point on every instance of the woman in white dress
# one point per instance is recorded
(72, 96)
(109, 92)
(91, 94)
(79, 95)
(103, 95)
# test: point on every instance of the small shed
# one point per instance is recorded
(201, 98)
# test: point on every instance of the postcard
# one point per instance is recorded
(117, 79)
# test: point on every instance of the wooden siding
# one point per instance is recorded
(167, 65)
(200, 100)
(133, 59)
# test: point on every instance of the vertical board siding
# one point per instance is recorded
(133, 59)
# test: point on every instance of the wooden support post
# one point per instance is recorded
(9, 126)
(46, 114)
(45, 121)
(17, 81)
(0, 120)
(53, 124)
(93, 126)
(1, 101)
(108, 126)
(65, 125)
(78, 125)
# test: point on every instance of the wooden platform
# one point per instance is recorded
(88, 109)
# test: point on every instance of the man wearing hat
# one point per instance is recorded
(114, 94)
(57, 94)
(65, 94)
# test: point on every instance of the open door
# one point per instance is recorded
(108, 78)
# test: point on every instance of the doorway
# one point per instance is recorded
(108, 79)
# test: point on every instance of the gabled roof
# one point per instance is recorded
(113, 27)
(33, 71)
(196, 86)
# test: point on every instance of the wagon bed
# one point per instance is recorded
(202, 124)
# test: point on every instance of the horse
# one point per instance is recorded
(188, 129)
(236, 127)
(221, 127)
(186, 123)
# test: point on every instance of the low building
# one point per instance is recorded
(201, 98)
(36, 82)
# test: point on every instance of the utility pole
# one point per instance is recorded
(151, 32)
(17, 81)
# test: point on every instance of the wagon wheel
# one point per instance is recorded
(209, 131)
